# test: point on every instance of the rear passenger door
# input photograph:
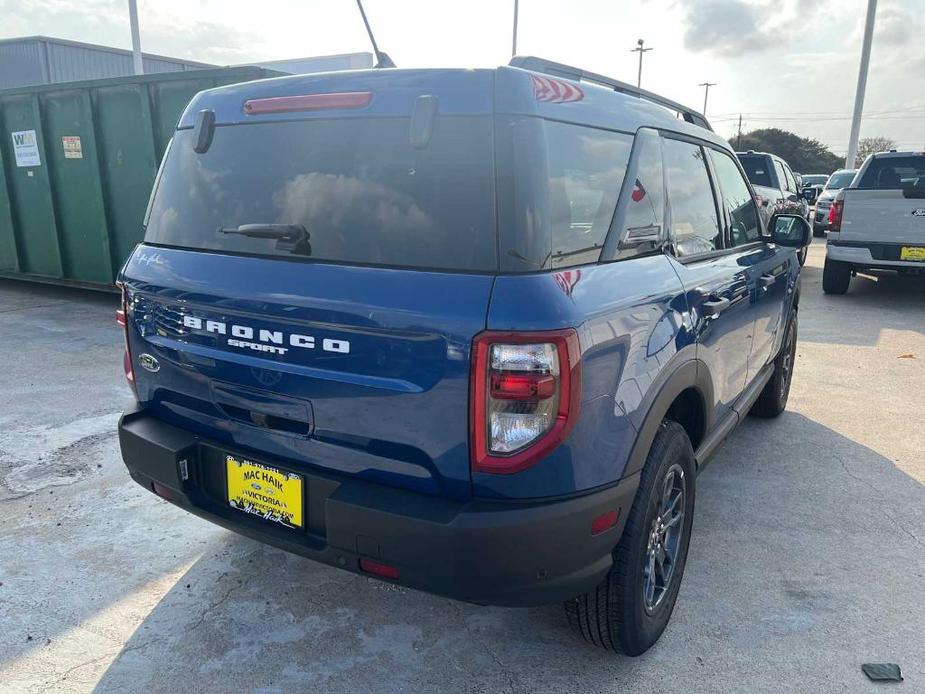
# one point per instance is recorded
(715, 282)
(765, 265)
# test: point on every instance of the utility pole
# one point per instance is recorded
(514, 44)
(639, 49)
(739, 139)
(706, 93)
(136, 38)
(862, 85)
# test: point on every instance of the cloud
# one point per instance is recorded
(732, 28)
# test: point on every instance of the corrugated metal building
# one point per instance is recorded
(42, 60)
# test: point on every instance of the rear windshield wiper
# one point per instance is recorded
(289, 237)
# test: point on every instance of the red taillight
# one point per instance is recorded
(526, 387)
(379, 569)
(835, 214)
(307, 102)
(525, 393)
(122, 319)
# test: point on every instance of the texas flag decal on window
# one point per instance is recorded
(639, 192)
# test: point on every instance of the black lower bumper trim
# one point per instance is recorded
(516, 553)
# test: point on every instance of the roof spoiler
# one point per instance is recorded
(549, 67)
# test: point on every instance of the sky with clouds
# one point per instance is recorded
(781, 63)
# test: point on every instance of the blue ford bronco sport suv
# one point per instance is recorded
(469, 331)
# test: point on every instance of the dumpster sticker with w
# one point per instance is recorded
(26, 148)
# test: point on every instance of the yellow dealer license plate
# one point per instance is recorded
(264, 491)
(912, 253)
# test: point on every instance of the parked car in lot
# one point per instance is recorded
(878, 222)
(836, 182)
(812, 185)
(471, 331)
(776, 187)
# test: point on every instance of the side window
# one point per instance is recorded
(694, 225)
(646, 204)
(781, 175)
(586, 169)
(791, 179)
(737, 200)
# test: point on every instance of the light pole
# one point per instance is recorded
(136, 38)
(706, 93)
(639, 49)
(862, 85)
(514, 44)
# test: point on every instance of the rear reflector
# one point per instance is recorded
(162, 491)
(378, 569)
(603, 522)
(308, 102)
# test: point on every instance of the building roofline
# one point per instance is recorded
(99, 47)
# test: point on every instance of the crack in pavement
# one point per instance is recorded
(505, 670)
(880, 508)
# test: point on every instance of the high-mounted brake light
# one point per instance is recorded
(307, 102)
(526, 389)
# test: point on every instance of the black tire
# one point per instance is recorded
(836, 276)
(617, 614)
(773, 398)
(818, 233)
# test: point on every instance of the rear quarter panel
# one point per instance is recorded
(633, 325)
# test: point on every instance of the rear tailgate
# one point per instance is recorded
(315, 268)
(883, 216)
(362, 371)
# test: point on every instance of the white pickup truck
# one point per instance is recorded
(878, 222)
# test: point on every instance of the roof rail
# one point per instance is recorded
(549, 67)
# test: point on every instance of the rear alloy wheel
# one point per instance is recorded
(630, 609)
(836, 276)
(773, 398)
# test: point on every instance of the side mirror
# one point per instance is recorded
(790, 230)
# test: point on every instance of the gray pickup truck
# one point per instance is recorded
(878, 222)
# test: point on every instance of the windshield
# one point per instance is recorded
(840, 179)
(361, 191)
(814, 179)
(756, 168)
(904, 172)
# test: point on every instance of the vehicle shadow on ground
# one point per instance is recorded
(786, 552)
(879, 301)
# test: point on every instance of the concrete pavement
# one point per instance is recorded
(807, 558)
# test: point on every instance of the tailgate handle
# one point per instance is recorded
(265, 410)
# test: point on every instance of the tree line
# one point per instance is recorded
(805, 155)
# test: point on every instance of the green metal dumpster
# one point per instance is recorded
(77, 162)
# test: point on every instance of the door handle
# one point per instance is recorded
(766, 281)
(715, 307)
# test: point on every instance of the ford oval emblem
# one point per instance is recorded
(149, 363)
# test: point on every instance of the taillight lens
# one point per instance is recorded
(525, 397)
(122, 319)
(835, 214)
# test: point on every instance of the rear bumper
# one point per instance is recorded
(481, 551)
(874, 255)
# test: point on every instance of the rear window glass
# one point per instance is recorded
(757, 169)
(907, 173)
(840, 180)
(362, 193)
(814, 180)
(563, 181)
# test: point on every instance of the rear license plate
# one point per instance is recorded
(912, 253)
(264, 491)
